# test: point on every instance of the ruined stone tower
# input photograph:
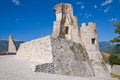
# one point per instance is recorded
(11, 46)
(71, 50)
(66, 24)
(66, 27)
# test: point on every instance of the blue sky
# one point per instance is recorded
(31, 19)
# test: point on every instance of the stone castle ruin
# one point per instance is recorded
(71, 50)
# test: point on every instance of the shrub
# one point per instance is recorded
(114, 59)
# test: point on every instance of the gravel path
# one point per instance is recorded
(15, 68)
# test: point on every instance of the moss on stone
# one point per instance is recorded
(103, 62)
(79, 46)
(75, 53)
(82, 50)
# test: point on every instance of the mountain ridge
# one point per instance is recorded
(4, 45)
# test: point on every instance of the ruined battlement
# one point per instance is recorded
(90, 24)
(62, 9)
(91, 27)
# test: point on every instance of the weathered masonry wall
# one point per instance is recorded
(60, 56)
(116, 69)
(38, 50)
(70, 58)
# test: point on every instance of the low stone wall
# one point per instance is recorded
(47, 68)
(38, 50)
(116, 69)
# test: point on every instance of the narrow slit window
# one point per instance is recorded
(66, 30)
(93, 40)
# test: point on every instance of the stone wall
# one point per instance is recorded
(58, 56)
(66, 57)
(116, 69)
(38, 50)
(87, 33)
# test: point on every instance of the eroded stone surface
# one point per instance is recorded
(67, 57)
(47, 68)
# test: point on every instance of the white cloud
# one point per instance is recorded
(87, 15)
(106, 2)
(113, 19)
(16, 2)
(18, 20)
(82, 7)
(95, 6)
(106, 10)
(79, 3)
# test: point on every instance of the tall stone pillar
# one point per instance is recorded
(11, 46)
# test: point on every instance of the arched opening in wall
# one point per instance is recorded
(66, 30)
(93, 40)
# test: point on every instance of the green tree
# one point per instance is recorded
(116, 40)
(117, 30)
(114, 59)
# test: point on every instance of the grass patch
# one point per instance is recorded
(82, 50)
(76, 54)
(114, 75)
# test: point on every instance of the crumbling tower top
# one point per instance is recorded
(61, 9)
(60, 6)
